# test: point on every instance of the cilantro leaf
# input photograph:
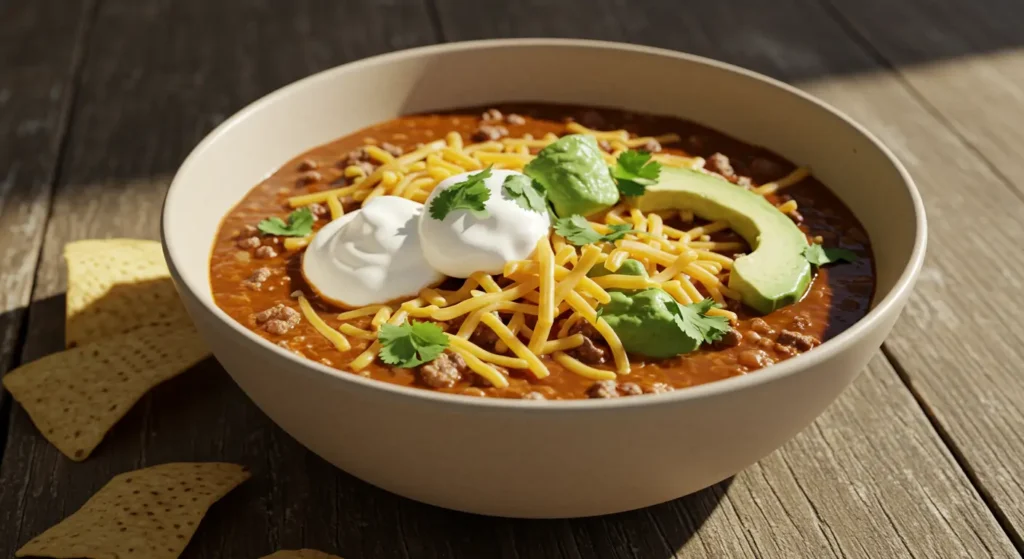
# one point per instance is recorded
(820, 256)
(634, 172)
(617, 232)
(693, 319)
(300, 224)
(470, 194)
(411, 344)
(522, 190)
(578, 231)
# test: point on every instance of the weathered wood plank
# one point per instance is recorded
(868, 474)
(973, 181)
(972, 74)
(794, 40)
(36, 90)
(159, 75)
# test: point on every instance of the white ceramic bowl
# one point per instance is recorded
(541, 459)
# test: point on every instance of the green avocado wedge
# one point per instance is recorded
(645, 322)
(775, 273)
(575, 176)
(629, 267)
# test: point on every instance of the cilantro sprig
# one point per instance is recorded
(820, 256)
(470, 195)
(411, 344)
(634, 172)
(525, 192)
(693, 320)
(300, 224)
(578, 231)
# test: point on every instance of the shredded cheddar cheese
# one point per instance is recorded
(535, 305)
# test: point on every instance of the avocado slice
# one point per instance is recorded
(646, 325)
(629, 267)
(776, 273)
(574, 176)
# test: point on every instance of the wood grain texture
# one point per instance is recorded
(965, 60)
(869, 479)
(36, 89)
(159, 75)
(973, 182)
(797, 39)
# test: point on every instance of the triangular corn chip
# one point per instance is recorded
(116, 286)
(74, 397)
(149, 513)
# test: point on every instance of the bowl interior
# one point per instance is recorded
(333, 103)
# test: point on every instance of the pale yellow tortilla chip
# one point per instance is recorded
(149, 513)
(74, 397)
(300, 554)
(116, 286)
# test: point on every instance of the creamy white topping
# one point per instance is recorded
(372, 255)
(462, 243)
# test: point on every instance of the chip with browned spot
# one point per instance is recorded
(300, 554)
(149, 513)
(74, 397)
(116, 286)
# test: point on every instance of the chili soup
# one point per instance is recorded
(542, 252)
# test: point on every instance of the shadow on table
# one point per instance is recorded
(296, 499)
(656, 532)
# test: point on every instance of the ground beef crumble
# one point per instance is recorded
(265, 252)
(630, 389)
(588, 353)
(732, 338)
(489, 132)
(444, 371)
(796, 340)
(255, 281)
(484, 337)
(659, 388)
(309, 177)
(603, 389)
(249, 242)
(652, 146)
(278, 319)
(357, 157)
(719, 163)
(318, 210)
(614, 389)
(392, 149)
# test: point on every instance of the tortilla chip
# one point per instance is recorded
(149, 513)
(74, 397)
(116, 286)
(300, 554)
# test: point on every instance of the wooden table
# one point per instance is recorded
(922, 457)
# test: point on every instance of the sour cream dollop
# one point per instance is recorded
(372, 255)
(462, 243)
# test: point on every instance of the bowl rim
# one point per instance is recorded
(842, 342)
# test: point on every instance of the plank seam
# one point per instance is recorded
(434, 14)
(862, 41)
(958, 456)
(78, 57)
(661, 533)
(820, 523)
